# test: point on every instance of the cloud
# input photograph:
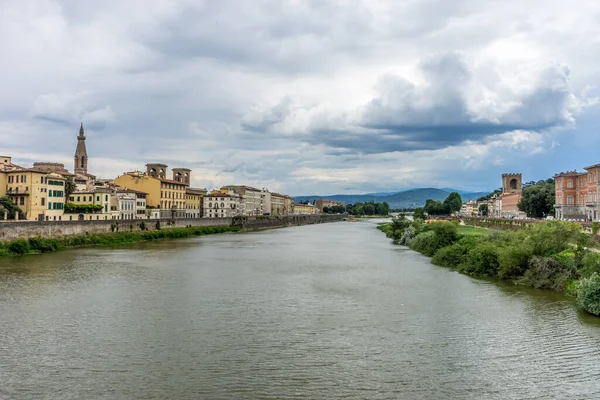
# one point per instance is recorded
(317, 96)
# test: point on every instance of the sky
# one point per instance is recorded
(305, 97)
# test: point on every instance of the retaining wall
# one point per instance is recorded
(26, 229)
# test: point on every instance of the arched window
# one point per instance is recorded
(82, 162)
(222, 205)
(209, 205)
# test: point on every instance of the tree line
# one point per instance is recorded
(368, 208)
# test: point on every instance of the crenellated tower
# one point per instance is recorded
(81, 157)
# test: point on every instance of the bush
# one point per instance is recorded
(513, 260)
(588, 294)
(481, 260)
(19, 246)
(43, 245)
(423, 243)
(451, 256)
(566, 258)
(591, 265)
(547, 273)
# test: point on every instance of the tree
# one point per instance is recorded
(6, 204)
(453, 202)
(537, 200)
(483, 209)
(419, 213)
(435, 207)
(69, 188)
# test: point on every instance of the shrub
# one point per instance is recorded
(547, 273)
(450, 256)
(591, 265)
(588, 294)
(513, 260)
(43, 245)
(481, 260)
(423, 243)
(566, 258)
(19, 246)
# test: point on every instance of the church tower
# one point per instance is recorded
(81, 157)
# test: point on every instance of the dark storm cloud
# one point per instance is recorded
(437, 114)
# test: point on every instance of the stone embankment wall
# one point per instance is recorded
(262, 222)
(27, 229)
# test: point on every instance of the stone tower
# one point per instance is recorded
(512, 183)
(81, 157)
(157, 170)
(183, 175)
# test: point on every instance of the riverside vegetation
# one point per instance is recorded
(555, 255)
(36, 245)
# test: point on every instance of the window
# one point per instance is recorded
(49, 206)
(11, 179)
(43, 201)
(570, 183)
(22, 201)
(71, 198)
(106, 198)
(78, 198)
(570, 199)
(98, 198)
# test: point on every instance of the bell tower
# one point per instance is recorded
(81, 157)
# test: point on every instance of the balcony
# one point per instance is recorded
(591, 203)
(17, 192)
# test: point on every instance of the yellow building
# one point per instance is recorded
(289, 205)
(193, 202)
(100, 197)
(305, 209)
(39, 195)
(277, 204)
(166, 194)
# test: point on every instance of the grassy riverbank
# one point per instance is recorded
(554, 255)
(36, 245)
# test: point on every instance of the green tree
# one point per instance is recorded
(434, 207)
(453, 202)
(69, 188)
(419, 213)
(484, 209)
(537, 200)
(6, 204)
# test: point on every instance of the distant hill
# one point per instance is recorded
(406, 199)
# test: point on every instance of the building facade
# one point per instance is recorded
(512, 188)
(221, 205)
(166, 195)
(577, 194)
(252, 198)
(322, 203)
(193, 202)
(303, 209)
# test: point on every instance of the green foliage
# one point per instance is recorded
(513, 260)
(452, 256)
(6, 204)
(453, 202)
(565, 258)
(547, 273)
(71, 208)
(44, 245)
(419, 213)
(591, 265)
(435, 207)
(440, 234)
(588, 294)
(69, 187)
(481, 260)
(595, 228)
(537, 200)
(358, 209)
(157, 225)
(18, 246)
(484, 209)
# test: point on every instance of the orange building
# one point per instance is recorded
(512, 187)
(577, 194)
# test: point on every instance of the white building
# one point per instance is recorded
(126, 204)
(221, 205)
(252, 198)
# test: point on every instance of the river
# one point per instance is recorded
(322, 311)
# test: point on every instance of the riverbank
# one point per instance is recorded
(553, 256)
(37, 245)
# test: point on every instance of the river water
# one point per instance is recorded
(323, 311)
